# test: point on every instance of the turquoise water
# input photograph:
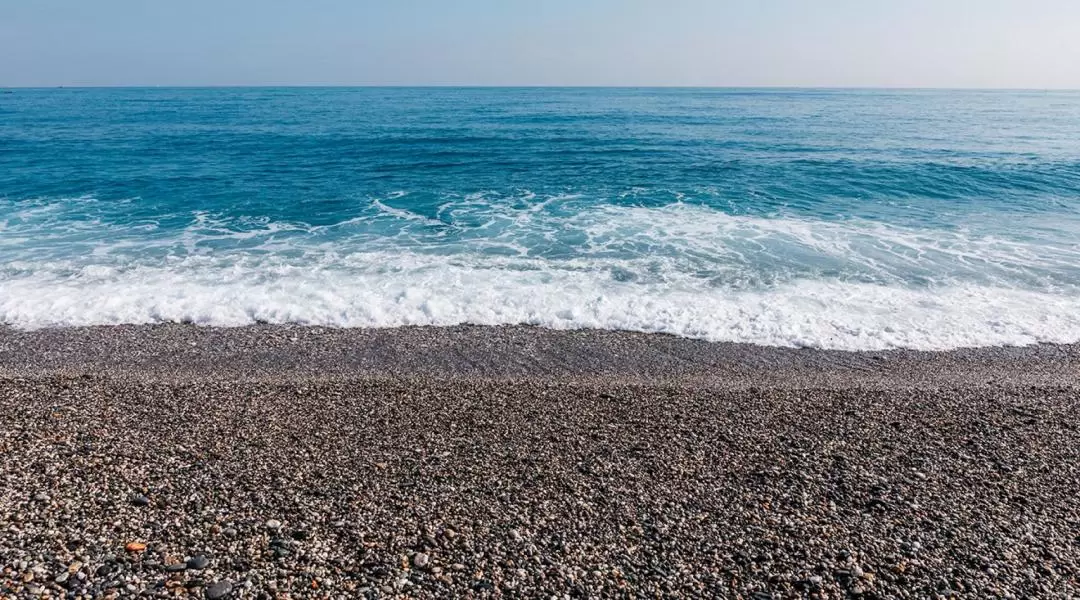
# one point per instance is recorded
(825, 218)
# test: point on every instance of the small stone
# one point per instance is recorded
(140, 500)
(420, 560)
(273, 524)
(61, 578)
(228, 531)
(41, 497)
(281, 551)
(176, 568)
(135, 547)
(218, 590)
(198, 563)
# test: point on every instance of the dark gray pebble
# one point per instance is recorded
(105, 570)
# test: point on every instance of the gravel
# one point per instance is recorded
(823, 482)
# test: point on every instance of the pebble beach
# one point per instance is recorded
(516, 462)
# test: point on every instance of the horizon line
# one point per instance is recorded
(541, 86)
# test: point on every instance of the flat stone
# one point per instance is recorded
(140, 500)
(218, 590)
(198, 563)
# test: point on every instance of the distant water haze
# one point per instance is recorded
(824, 43)
(832, 219)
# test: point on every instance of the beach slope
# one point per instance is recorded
(524, 462)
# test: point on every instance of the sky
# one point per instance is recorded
(816, 43)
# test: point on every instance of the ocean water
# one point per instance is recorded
(822, 218)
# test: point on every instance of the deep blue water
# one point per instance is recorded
(830, 218)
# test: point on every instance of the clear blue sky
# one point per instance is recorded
(921, 43)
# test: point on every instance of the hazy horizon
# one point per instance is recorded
(841, 44)
(511, 86)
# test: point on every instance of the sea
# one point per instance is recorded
(838, 219)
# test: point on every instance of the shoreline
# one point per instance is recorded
(178, 461)
(176, 352)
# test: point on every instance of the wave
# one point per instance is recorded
(560, 261)
(820, 314)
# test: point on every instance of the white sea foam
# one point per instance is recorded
(682, 270)
(421, 290)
